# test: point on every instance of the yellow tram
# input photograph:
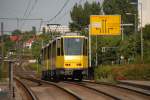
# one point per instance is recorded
(65, 56)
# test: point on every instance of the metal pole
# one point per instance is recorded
(122, 32)
(40, 25)
(141, 34)
(90, 71)
(89, 47)
(11, 79)
(96, 53)
(17, 50)
(135, 30)
(2, 44)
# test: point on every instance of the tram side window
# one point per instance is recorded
(62, 47)
(58, 47)
(85, 47)
(54, 49)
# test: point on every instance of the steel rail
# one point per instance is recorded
(135, 85)
(80, 84)
(117, 86)
(54, 84)
(32, 95)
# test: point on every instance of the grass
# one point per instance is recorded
(35, 67)
(104, 74)
(123, 72)
(4, 72)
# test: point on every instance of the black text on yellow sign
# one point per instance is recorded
(105, 25)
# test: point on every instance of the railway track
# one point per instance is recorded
(143, 89)
(131, 87)
(49, 91)
(87, 91)
(25, 91)
(78, 91)
(121, 91)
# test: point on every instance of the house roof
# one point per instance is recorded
(30, 40)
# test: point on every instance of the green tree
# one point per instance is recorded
(8, 44)
(36, 47)
(122, 7)
(16, 32)
(27, 35)
(146, 36)
(40, 41)
(107, 49)
(80, 15)
(33, 30)
(127, 48)
(44, 30)
(146, 32)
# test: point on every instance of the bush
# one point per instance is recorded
(130, 72)
(104, 73)
(138, 72)
(33, 67)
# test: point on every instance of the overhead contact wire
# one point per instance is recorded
(32, 8)
(65, 4)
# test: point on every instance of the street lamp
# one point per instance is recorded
(141, 22)
(141, 32)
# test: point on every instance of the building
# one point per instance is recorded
(28, 43)
(55, 28)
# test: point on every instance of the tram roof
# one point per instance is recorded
(77, 36)
(66, 36)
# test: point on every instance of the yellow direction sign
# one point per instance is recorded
(105, 25)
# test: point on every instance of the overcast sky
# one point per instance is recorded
(145, 10)
(45, 9)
